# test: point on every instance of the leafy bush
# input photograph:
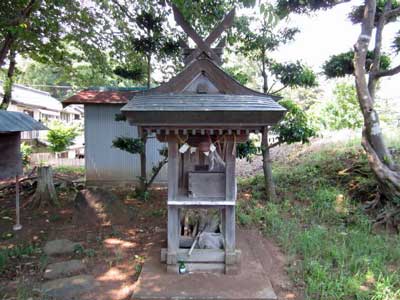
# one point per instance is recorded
(26, 151)
(342, 64)
(61, 136)
(343, 111)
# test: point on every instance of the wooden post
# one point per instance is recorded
(229, 211)
(230, 163)
(173, 234)
(229, 228)
(173, 170)
(17, 225)
(173, 215)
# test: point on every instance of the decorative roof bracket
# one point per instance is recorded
(204, 46)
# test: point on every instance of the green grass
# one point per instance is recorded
(332, 251)
(14, 253)
(70, 170)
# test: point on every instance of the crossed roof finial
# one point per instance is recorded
(204, 46)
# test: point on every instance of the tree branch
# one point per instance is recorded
(392, 13)
(124, 10)
(274, 144)
(372, 80)
(390, 72)
(278, 90)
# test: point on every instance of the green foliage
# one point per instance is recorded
(257, 36)
(342, 64)
(285, 7)
(144, 36)
(61, 136)
(70, 170)
(357, 12)
(120, 118)
(51, 28)
(326, 236)
(203, 15)
(295, 127)
(26, 151)
(131, 145)
(396, 43)
(236, 73)
(294, 74)
(136, 73)
(14, 253)
(247, 150)
(343, 111)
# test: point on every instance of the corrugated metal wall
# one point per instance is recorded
(106, 163)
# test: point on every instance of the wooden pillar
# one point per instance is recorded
(173, 212)
(173, 234)
(229, 211)
(230, 163)
(229, 228)
(173, 170)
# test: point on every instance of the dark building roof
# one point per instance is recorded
(202, 102)
(108, 95)
(12, 121)
(203, 95)
(203, 110)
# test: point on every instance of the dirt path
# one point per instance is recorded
(115, 231)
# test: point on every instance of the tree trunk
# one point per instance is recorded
(143, 167)
(45, 192)
(148, 71)
(379, 157)
(265, 77)
(5, 48)
(10, 38)
(8, 84)
(270, 192)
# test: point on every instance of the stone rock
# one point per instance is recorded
(62, 246)
(209, 240)
(63, 269)
(68, 288)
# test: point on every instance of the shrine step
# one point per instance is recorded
(199, 255)
(216, 268)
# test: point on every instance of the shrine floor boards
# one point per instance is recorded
(251, 282)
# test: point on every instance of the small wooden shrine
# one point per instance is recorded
(202, 114)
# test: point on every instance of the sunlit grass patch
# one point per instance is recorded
(322, 228)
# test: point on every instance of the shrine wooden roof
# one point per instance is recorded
(202, 94)
(202, 102)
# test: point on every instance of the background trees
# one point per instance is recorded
(57, 32)
(256, 37)
(343, 110)
(373, 16)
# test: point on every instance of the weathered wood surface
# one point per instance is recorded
(206, 185)
(230, 229)
(223, 82)
(173, 170)
(230, 166)
(198, 255)
(10, 158)
(173, 234)
(214, 35)
(204, 46)
(45, 192)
